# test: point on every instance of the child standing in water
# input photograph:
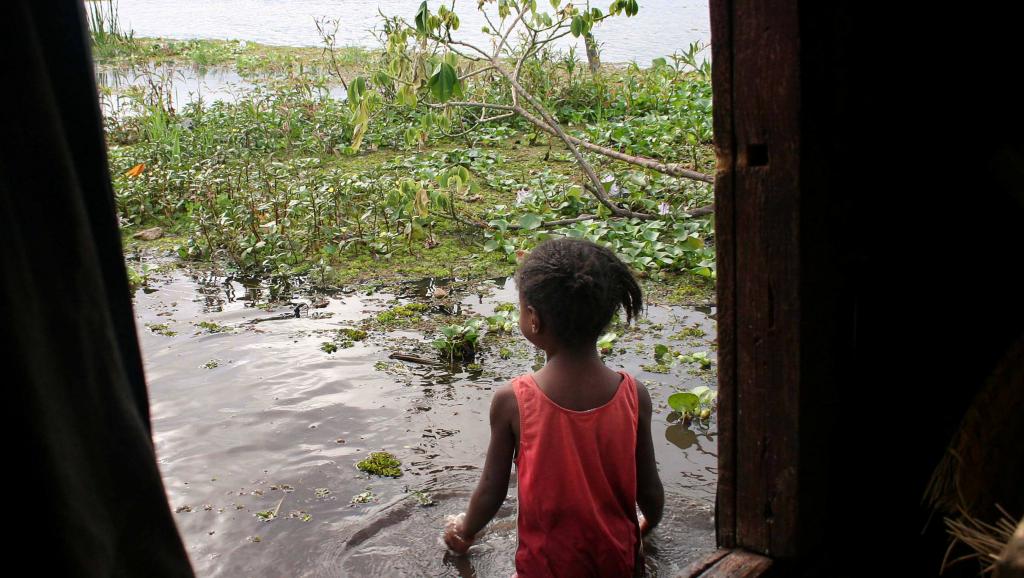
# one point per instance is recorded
(578, 432)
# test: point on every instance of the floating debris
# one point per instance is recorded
(161, 329)
(363, 498)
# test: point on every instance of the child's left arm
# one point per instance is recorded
(493, 486)
(650, 495)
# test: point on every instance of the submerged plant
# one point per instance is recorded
(381, 464)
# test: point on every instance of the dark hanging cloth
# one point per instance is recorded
(84, 493)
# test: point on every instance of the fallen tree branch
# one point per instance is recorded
(671, 169)
(413, 359)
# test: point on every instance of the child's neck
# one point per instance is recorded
(577, 380)
(575, 358)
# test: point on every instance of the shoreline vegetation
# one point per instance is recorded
(397, 181)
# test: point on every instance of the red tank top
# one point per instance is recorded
(577, 485)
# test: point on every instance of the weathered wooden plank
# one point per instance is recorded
(757, 103)
(739, 564)
(721, 50)
(700, 566)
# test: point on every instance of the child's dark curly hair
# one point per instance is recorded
(577, 286)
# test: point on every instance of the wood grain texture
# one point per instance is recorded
(700, 566)
(757, 193)
(721, 50)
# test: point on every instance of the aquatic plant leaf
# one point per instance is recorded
(684, 402)
(530, 221)
(660, 351)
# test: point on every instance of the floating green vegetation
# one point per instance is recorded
(352, 334)
(665, 358)
(699, 357)
(422, 498)
(687, 333)
(211, 327)
(363, 498)
(505, 307)
(161, 329)
(265, 515)
(656, 367)
(401, 312)
(329, 347)
(606, 342)
(301, 515)
(503, 321)
(505, 353)
(321, 493)
(381, 464)
(213, 363)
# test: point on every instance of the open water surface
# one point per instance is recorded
(250, 416)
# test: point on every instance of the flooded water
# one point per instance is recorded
(182, 84)
(660, 28)
(252, 420)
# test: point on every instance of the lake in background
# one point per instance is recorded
(659, 29)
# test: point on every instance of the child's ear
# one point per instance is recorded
(536, 325)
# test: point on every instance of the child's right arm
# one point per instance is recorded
(493, 486)
(650, 494)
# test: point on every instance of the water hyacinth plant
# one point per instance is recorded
(459, 342)
(696, 403)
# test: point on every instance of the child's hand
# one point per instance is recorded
(645, 527)
(453, 534)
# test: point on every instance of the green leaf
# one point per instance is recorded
(530, 221)
(491, 245)
(444, 84)
(356, 89)
(406, 96)
(422, 17)
(691, 243)
(577, 26)
(684, 402)
(700, 390)
(660, 351)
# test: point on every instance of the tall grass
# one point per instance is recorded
(108, 37)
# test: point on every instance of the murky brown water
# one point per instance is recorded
(278, 425)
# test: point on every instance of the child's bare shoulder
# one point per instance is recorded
(504, 405)
(644, 397)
